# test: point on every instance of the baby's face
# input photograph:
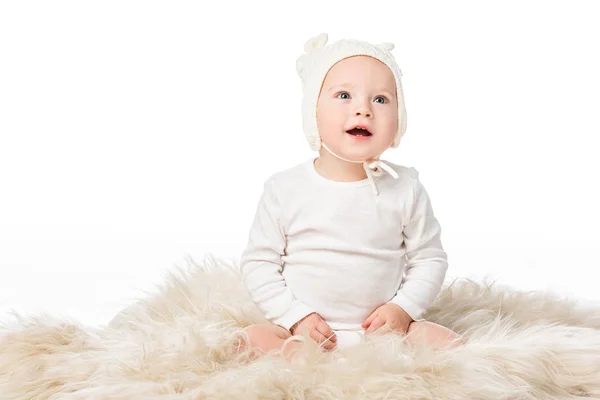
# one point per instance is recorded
(358, 90)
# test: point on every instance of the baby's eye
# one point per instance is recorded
(344, 93)
(381, 97)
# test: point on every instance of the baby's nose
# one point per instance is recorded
(363, 111)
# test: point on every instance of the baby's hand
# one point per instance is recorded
(391, 315)
(317, 329)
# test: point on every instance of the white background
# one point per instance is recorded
(134, 133)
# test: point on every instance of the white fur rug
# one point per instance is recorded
(179, 343)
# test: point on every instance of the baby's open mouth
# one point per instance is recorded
(359, 132)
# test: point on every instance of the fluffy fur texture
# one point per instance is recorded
(180, 343)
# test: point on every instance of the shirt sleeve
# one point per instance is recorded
(261, 264)
(426, 260)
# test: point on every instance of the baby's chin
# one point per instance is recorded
(364, 149)
(366, 153)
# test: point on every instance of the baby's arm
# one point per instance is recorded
(261, 264)
(426, 259)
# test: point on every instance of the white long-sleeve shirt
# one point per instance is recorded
(333, 248)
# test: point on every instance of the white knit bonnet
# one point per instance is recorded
(312, 67)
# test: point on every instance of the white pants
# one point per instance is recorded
(347, 338)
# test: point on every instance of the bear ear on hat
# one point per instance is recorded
(386, 46)
(317, 42)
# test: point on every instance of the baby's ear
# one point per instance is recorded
(317, 42)
(386, 46)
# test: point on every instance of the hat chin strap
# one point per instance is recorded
(372, 167)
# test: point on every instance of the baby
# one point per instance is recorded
(345, 245)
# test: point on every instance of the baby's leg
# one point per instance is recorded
(436, 335)
(267, 337)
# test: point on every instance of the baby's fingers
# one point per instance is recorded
(320, 338)
(376, 324)
(329, 338)
(369, 319)
(326, 330)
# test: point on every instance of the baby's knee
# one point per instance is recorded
(265, 337)
(416, 325)
(267, 330)
(433, 331)
(254, 330)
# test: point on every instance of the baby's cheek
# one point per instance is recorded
(329, 118)
(391, 127)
